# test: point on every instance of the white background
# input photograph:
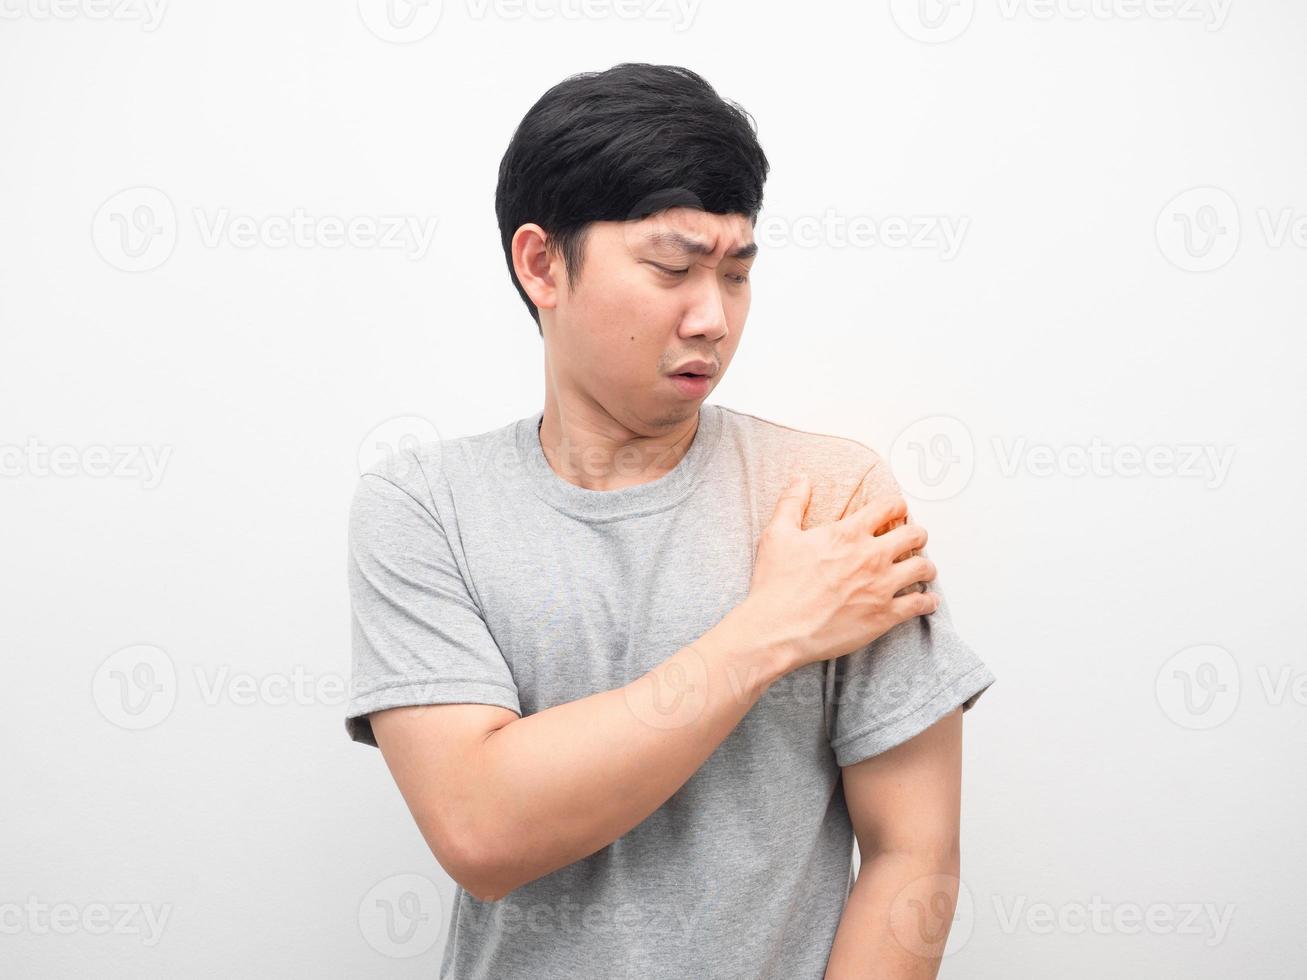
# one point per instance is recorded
(1115, 778)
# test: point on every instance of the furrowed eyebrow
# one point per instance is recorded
(675, 241)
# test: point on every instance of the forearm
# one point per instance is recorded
(562, 783)
(897, 919)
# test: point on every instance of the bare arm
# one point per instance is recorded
(905, 805)
(560, 784)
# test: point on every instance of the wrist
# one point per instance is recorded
(752, 635)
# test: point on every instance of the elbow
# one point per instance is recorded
(486, 882)
(481, 889)
(469, 877)
(482, 872)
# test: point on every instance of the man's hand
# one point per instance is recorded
(828, 590)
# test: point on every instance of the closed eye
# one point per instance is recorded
(677, 273)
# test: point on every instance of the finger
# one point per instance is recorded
(914, 604)
(877, 513)
(910, 571)
(793, 502)
(904, 539)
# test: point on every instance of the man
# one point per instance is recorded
(639, 691)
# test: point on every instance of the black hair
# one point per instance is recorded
(620, 145)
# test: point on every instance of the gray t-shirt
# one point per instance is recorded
(479, 575)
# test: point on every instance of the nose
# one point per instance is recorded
(706, 316)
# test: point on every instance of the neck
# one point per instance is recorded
(589, 447)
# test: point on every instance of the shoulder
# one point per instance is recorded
(842, 469)
(420, 472)
(825, 451)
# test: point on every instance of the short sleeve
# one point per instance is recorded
(417, 636)
(905, 680)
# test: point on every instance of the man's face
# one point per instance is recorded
(652, 295)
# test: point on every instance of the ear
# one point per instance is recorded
(537, 269)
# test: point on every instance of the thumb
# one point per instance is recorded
(793, 503)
